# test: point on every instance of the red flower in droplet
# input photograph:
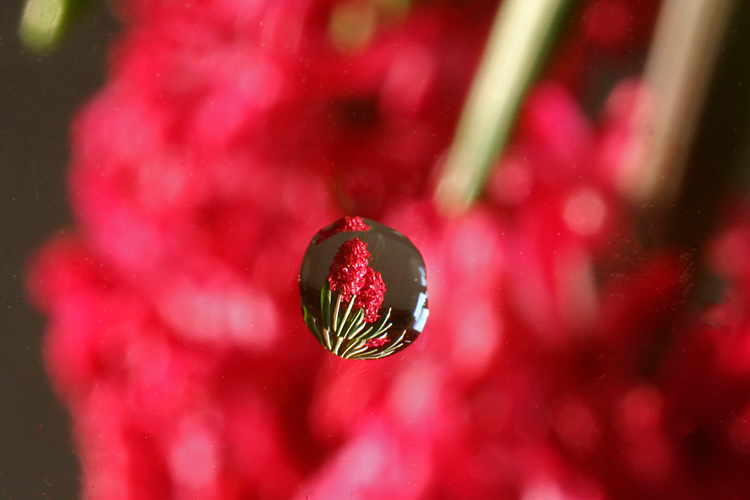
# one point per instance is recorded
(350, 275)
(349, 267)
(370, 296)
(354, 223)
(377, 342)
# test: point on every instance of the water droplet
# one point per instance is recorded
(363, 287)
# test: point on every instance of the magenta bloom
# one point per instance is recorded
(227, 129)
(350, 275)
(370, 296)
(347, 273)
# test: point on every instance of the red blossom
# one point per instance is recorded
(349, 268)
(354, 223)
(350, 275)
(370, 296)
(553, 365)
(377, 342)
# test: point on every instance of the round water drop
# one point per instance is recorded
(363, 288)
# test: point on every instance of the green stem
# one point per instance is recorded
(335, 315)
(521, 34)
(44, 22)
(341, 331)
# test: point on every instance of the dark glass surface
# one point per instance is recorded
(394, 257)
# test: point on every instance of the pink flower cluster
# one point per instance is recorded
(350, 276)
(349, 267)
(371, 295)
(561, 360)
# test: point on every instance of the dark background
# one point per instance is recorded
(38, 98)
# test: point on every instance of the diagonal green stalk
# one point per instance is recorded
(312, 325)
(335, 349)
(375, 329)
(354, 346)
(340, 331)
(327, 337)
(684, 50)
(335, 315)
(325, 305)
(393, 345)
(353, 354)
(43, 23)
(521, 35)
(356, 324)
(356, 329)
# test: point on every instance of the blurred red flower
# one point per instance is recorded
(559, 360)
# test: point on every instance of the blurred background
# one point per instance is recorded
(40, 94)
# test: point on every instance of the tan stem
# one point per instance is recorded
(516, 46)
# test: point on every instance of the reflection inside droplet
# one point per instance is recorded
(363, 288)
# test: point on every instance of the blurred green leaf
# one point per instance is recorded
(43, 22)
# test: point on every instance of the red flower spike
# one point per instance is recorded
(349, 267)
(354, 223)
(370, 296)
